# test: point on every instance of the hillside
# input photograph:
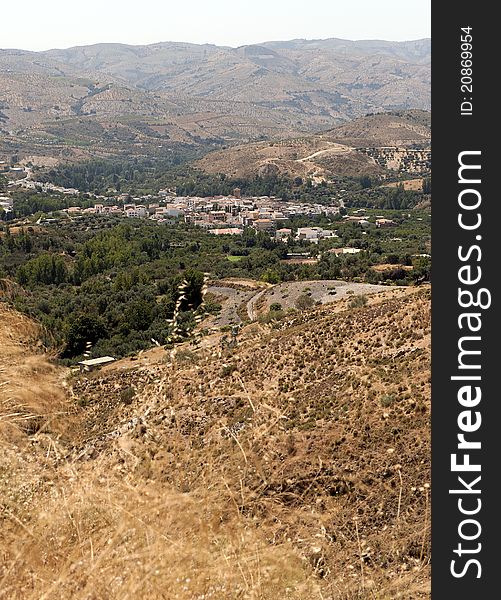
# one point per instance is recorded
(109, 97)
(293, 466)
(379, 74)
(344, 150)
(397, 128)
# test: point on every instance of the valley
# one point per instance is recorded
(215, 268)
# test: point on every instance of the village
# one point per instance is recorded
(219, 215)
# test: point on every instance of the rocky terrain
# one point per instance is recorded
(322, 292)
(403, 129)
(368, 145)
(110, 96)
(294, 465)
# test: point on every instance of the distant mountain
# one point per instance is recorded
(149, 96)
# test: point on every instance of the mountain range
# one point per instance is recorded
(105, 98)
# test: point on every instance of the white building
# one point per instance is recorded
(314, 234)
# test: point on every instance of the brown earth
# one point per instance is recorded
(415, 185)
(322, 291)
(298, 157)
(105, 99)
(347, 150)
(293, 466)
(390, 267)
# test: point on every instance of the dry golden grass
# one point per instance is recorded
(31, 394)
(415, 185)
(295, 466)
(104, 539)
(389, 267)
(70, 530)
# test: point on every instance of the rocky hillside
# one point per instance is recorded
(398, 128)
(375, 74)
(109, 96)
(355, 148)
(295, 465)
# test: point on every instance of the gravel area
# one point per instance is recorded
(228, 314)
(323, 291)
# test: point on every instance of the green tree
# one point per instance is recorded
(44, 269)
(138, 316)
(271, 276)
(83, 329)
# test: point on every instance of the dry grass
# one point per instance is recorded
(301, 472)
(31, 394)
(102, 539)
(73, 530)
(415, 185)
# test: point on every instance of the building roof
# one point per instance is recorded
(226, 231)
(92, 362)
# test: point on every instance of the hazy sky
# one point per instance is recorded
(44, 24)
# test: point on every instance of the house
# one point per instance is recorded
(217, 215)
(278, 216)
(263, 224)
(138, 211)
(314, 234)
(307, 233)
(385, 223)
(283, 234)
(132, 213)
(226, 231)
(338, 251)
(166, 211)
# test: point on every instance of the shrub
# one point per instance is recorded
(227, 370)
(186, 356)
(304, 302)
(358, 301)
(212, 307)
(387, 400)
(272, 315)
(83, 329)
(127, 395)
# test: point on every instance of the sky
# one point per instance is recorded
(45, 24)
